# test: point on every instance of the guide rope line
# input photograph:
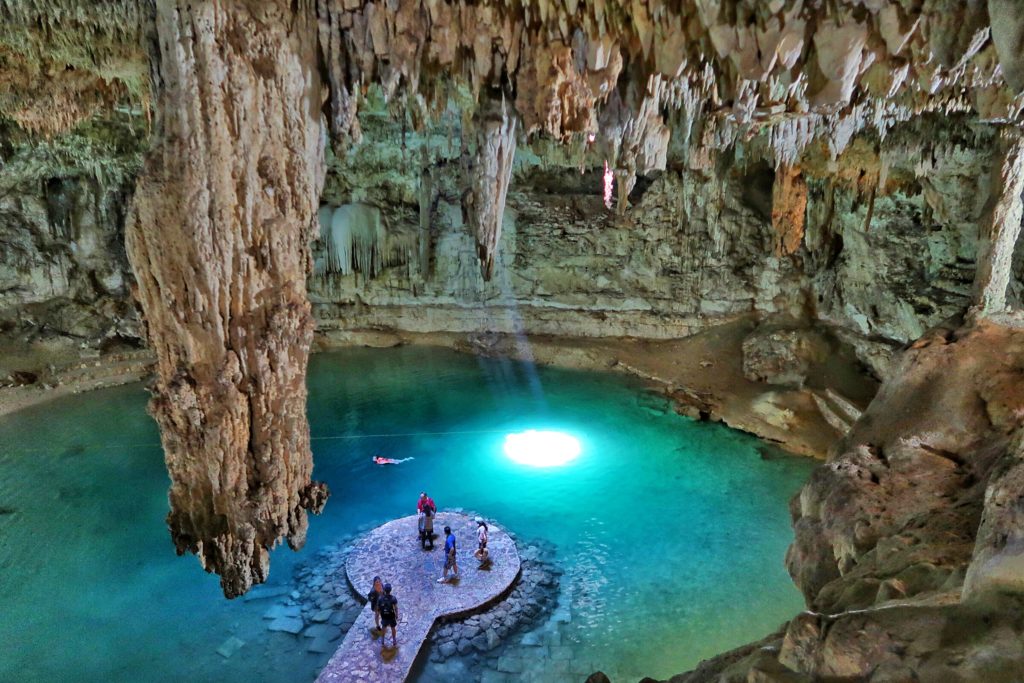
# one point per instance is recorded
(329, 437)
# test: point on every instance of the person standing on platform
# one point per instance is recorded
(481, 553)
(427, 529)
(422, 504)
(450, 561)
(373, 597)
(387, 605)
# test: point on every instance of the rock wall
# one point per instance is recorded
(64, 275)
(907, 540)
(568, 266)
(887, 249)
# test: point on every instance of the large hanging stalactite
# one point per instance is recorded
(489, 177)
(218, 236)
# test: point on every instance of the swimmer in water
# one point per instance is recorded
(381, 460)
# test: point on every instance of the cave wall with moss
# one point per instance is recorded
(887, 248)
(64, 276)
(887, 251)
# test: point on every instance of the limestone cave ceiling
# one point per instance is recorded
(231, 97)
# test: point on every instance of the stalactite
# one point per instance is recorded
(831, 70)
(218, 236)
(339, 242)
(488, 182)
(368, 237)
(355, 238)
(426, 201)
(789, 209)
(1000, 225)
(645, 139)
(321, 262)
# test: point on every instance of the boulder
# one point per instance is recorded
(781, 355)
(279, 611)
(287, 625)
(230, 647)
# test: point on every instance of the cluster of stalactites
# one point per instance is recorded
(355, 238)
(797, 70)
(65, 60)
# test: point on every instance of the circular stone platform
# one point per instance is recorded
(392, 551)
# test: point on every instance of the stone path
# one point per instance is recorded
(393, 552)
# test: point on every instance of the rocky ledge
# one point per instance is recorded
(909, 539)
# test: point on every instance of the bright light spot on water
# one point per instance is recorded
(542, 449)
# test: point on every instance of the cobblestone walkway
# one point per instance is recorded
(393, 552)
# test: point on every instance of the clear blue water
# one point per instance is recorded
(671, 532)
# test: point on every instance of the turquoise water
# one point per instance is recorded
(671, 533)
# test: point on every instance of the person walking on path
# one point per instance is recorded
(387, 604)
(449, 556)
(481, 553)
(374, 598)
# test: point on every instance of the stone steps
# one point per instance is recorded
(840, 413)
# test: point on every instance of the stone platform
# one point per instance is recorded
(393, 552)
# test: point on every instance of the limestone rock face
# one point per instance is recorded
(64, 61)
(218, 238)
(789, 209)
(894, 516)
(907, 543)
(903, 494)
(1000, 224)
(64, 276)
(782, 356)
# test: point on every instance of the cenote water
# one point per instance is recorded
(670, 533)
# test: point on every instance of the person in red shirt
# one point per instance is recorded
(424, 503)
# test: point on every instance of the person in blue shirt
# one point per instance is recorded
(449, 556)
